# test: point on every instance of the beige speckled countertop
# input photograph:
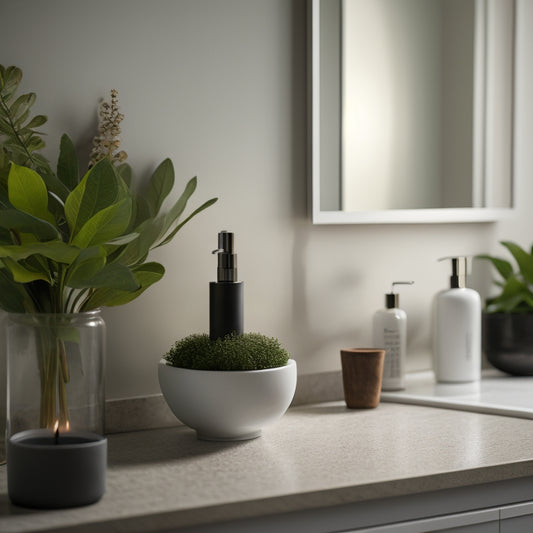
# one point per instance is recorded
(317, 455)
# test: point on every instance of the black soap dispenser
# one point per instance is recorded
(226, 294)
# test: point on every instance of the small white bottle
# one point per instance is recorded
(457, 329)
(390, 334)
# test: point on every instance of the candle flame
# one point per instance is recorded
(56, 431)
(67, 426)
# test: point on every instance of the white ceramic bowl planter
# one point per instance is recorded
(228, 404)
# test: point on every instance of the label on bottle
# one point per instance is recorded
(391, 339)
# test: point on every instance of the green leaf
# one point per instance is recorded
(145, 275)
(105, 225)
(18, 123)
(34, 143)
(115, 277)
(21, 105)
(115, 247)
(4, 172)
(27, 192)
(142, 209)
(524, 260)
(97, 190)
(501, 265)
(10, 75)
(14, 298)
(160, 185)
(178, 208)
(122, 240)
(123, 187)
(37, 121)
(9, 82)
(5, 127)
(15, 220)
(88, 263)
(22, 274)
(507, 305)
(5, 237)
(67, 163)
(57, 251)
(136, 251)
(514, 293)
(193, 214)
(125, 172)
(53, 184)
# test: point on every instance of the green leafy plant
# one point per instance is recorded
(249, 351)
(516, 295)
(72, 242)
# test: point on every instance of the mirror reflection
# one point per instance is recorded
(415, 104)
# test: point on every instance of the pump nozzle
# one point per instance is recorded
(392, 299)
(400, 283)
(458, 277)
(227, 259)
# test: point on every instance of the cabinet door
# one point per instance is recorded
(487, 527)
(517, 518)
(486, 521)
(519, 524)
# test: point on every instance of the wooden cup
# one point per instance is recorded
(362, 374)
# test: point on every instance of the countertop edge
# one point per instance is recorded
(310, 501)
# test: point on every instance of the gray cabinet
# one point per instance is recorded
(489, 508)
(490, 527)
(509, 519)
(517, 518)
(485, 521)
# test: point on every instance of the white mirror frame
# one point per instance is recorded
(393, 216)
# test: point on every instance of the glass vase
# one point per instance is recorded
(56, 451)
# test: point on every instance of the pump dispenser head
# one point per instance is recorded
(226, 300)
(458, 277)
(227, 259)
(392, 299)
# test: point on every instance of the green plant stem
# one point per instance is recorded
(54, 376)
(63, 378)
(42, 376)
(61, 288)
(48, 392)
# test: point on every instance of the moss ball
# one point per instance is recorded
(249, 351)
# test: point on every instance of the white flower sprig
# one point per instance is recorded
(107, 142)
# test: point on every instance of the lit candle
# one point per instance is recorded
(49, 470)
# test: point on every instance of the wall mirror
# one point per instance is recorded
(411, 110)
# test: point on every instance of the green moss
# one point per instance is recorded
(249, 351)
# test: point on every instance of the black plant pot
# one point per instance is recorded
(508, 342)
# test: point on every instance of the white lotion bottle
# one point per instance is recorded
(390, 334)
(457, 329)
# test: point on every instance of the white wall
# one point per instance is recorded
(219, 86)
